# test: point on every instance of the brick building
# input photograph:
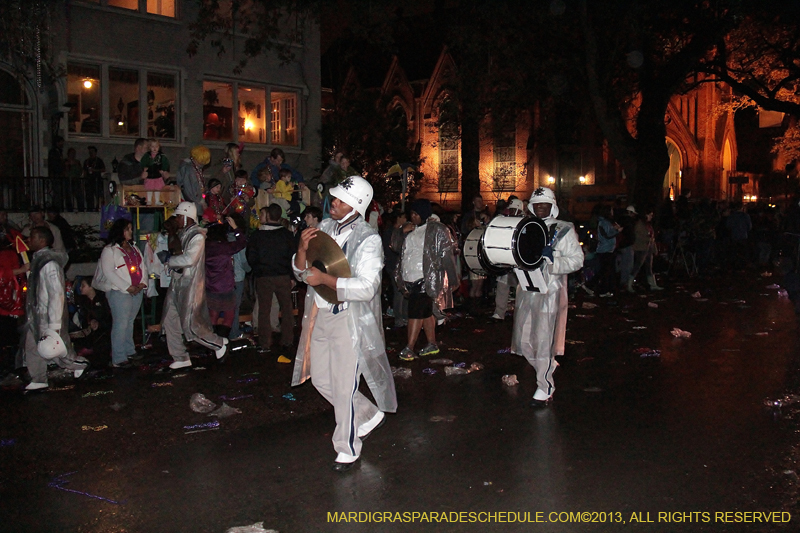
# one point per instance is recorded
(701, 143)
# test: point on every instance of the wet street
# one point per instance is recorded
(647, 432)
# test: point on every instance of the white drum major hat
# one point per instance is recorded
(187, 209)
(543, 195)
(51, 345)
(356, 192)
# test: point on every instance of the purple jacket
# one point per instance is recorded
(219, 262)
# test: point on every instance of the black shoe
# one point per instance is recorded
(541, 404)
(344, 467)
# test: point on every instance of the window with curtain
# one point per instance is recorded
(252, 107)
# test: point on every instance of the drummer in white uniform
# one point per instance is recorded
(539, 294)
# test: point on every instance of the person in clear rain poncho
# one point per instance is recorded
(541, 310)
(342, 342)
(427, 272)
(185, 311)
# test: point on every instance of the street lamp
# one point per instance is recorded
(551, 179)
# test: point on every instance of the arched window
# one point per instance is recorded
(15, 124)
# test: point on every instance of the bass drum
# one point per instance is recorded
(474, 255)
(515, 242)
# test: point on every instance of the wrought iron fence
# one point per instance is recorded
(65, 194)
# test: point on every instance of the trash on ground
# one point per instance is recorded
(455, 371)
(475, 367)
(766, 274)
(652, 304)
(401, 372)
(681, 334)
(93, 428)
(478, 330)
(585, 359)
(585, 316)
(284, 359)
(506, 350)
(161, 384)
(431, 371)
(457, 350)
(232, 398)
(487, 483)
(570, 341)
(57, 389)
(98, 393)
(248, 380)
(446, 418)
(116, 406)
(588, 305)
(59, 482)
(697, 295)
(197, 428)
(200, 404)
(289, 396)
(441, 361)
(761, 334)
(701, 299)
(639, 327)
(258, 527)
(510, 380)
(650, 353)
(176, 376)
(782, 402)
(225, 411)
(592, 389)
(774, 286)
(460, 365)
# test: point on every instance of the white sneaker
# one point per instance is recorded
(541, 395)
(181, 364)
(373, 423)
(496, 317)
(221, 352)
(36, 386)
(78, 372)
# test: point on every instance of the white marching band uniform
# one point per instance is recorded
(541, 309)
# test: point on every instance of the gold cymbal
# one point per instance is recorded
(327, 256)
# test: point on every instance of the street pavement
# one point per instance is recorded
(647, 432)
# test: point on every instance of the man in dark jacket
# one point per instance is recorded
(269, 255)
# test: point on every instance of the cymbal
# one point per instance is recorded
(327, 256)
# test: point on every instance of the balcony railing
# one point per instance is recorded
(65, 194)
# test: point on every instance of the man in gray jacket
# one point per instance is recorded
(46, 310)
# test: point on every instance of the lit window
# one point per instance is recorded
(126, 4)
(123, 99)
(217, 111)
(161, 96)
(448, 157)
(83, 97)
(161, 7)
(283, 120)
(252, 107)
(505, 162)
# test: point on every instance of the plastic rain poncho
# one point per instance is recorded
(365, 321)
(439, 266)
(537, 313)
(188, 287)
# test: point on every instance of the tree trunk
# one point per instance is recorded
(470, 154)
(646, 182)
